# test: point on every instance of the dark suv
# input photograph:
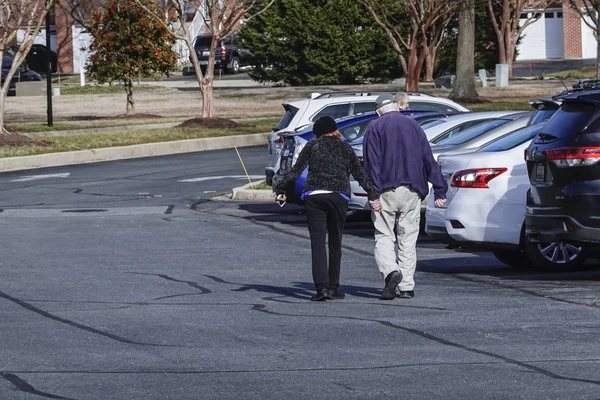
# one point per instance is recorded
(229, 56)
(563, 162)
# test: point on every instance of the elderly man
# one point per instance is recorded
(399, 161)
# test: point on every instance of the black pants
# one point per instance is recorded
(326, 214)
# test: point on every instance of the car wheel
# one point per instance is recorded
(235, 66)
(512, 258)
(556, 256)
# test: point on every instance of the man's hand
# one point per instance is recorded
(439, 203)
(375, 205)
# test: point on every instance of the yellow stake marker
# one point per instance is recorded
(243, 166)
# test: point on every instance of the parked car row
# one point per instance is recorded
(539, 210)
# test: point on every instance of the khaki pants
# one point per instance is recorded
(396, 232)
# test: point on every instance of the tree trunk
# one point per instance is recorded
(464, 85)
(128, 84)
(413, 70)
(208, 110)
(3, 93)
(429, 66)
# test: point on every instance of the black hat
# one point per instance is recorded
(324, 125)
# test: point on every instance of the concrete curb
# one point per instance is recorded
(107, 130)
(244, 193)
(134, 151)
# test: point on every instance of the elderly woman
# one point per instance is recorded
(326, 194)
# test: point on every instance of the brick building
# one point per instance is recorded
(560, 32)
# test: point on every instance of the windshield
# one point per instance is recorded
(513, 139)
(431, 124)
(472, 133)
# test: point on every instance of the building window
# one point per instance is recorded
(559, 14)
(524, 15)
(549, 15)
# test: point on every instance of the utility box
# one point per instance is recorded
(483, 77)
(36, 88)
(501, 75)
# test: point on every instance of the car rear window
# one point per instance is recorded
(472, 133)
(513, 139)
(290, 112)
(571, 118)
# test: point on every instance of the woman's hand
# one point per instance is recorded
(279, 198)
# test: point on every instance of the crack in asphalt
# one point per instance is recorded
(193, 284)
(23, 386)
(276, 370)
(74, 324)
(263, 308)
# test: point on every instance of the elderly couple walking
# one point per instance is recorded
(398, 163)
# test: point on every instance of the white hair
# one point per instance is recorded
(402, 100)
(388, 108)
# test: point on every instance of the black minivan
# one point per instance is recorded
(563, 162)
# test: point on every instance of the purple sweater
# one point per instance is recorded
(396, 153)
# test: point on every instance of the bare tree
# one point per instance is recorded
(420, 37)
(222, 17)
(80, 10)
(27, 15)
(464, 85)
(589, 10)
(509, 25)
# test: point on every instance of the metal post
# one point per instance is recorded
(49, 71)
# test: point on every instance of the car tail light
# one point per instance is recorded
(279, 140)
(574, 156)
(361, 160)
(223, 53)
(475, 178)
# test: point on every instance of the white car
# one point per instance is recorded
(452, 125)
(484, 130)
(302, 113)
(485, 204)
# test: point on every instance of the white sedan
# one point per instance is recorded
(486, 205)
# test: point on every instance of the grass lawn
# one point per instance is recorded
(95, 141)
(95, 89)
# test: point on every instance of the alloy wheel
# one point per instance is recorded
(559, 252)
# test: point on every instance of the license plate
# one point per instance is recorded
(286, 153)
(540, 172)
(205, 53)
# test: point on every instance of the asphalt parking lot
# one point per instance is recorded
(124, 280)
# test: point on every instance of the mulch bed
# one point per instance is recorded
(15, 139)
(210, 123)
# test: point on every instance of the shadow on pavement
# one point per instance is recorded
(304, 290)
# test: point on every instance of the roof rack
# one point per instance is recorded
(363, 93)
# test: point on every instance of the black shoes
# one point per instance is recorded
(322, 295)
(406, 294)
(391, 283)
(337, 294)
